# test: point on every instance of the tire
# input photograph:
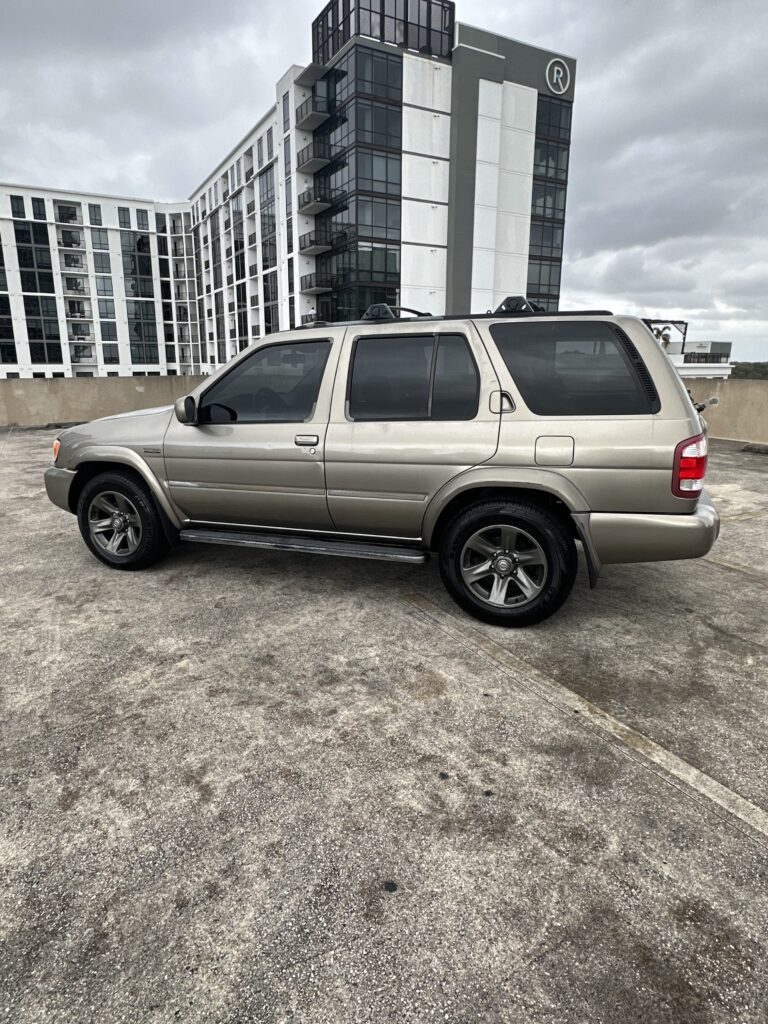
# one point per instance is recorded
(119, 521)
(509, 563)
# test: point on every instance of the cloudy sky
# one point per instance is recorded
(668, 197)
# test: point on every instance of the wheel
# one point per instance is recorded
(509, 563)
(120, 522)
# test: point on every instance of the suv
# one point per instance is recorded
(497, 442)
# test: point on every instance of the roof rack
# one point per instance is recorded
(513, 306)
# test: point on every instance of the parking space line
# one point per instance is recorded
(754, 574)
(572, 703)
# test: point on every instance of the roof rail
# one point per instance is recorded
(513, 307)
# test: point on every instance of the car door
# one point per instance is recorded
(411, 409)
(255, 457)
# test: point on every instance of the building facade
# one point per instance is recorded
(414, 161)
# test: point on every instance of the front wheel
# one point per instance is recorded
(119, 521)
(509, 563)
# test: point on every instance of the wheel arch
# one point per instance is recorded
(546, 489)
(91, 465)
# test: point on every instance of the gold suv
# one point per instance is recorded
(498, 442)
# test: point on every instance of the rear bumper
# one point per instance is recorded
(621, 537)
(58, 483)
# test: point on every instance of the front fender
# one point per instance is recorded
(117, 454)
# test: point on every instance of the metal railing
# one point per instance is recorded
(705, 357)
(312, 105)
(314, 195)
(311, 239)
(317, 150)
(309, 282)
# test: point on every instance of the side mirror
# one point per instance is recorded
(186, 410)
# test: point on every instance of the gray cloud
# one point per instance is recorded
(668, 197)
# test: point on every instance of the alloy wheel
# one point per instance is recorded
(114, 523)
(503, 566)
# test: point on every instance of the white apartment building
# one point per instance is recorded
(414, 161)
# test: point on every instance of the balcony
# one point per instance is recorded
(311, 113)
(314, 200)
(316, 284)
(79, 289)
(314, 242)
(252, 240)
(67, 215)
(313, 157)
(71, 240)
(308, 318)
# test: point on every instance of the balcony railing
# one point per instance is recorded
(314, 200)
(313, 242)
(63, 217)
(705, 357)
(312, 112)
(314, 284)
(314, 156)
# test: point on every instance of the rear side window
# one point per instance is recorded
(586, 368)
(413, 377)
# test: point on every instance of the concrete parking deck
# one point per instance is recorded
(246, 786)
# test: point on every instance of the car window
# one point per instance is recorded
(277, 384)
(413, 377)
(567, 368)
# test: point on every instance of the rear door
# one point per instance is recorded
(256, 456)
(411, 409)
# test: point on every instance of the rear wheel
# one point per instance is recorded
(119, 521)
(509, 563)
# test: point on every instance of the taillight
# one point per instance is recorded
(690, 467)
(56, 446)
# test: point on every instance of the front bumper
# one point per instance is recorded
(619, 537)
(58, 483)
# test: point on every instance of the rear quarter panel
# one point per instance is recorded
(619, 463)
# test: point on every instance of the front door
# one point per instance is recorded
(256, 455)
(415, 412)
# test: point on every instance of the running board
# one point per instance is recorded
(311, 545)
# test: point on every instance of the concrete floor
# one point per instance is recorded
(245, 786)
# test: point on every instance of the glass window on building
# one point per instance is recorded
(286, 112)
(17, 206)
(99, 238)
(259, 151)
(142, 220)
(270, 144)
(38, 209)
(94, 214)
(124, 216)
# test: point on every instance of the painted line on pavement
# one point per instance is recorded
(569, 702)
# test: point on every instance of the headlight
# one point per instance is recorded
(56, 446)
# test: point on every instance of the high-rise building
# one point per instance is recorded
(414, 161)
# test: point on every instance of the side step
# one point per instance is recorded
(311, 545)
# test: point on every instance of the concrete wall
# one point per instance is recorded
(742, 411)
(39, 403)
(741, 414)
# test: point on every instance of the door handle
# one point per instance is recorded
(306, 439)
(501, 402)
